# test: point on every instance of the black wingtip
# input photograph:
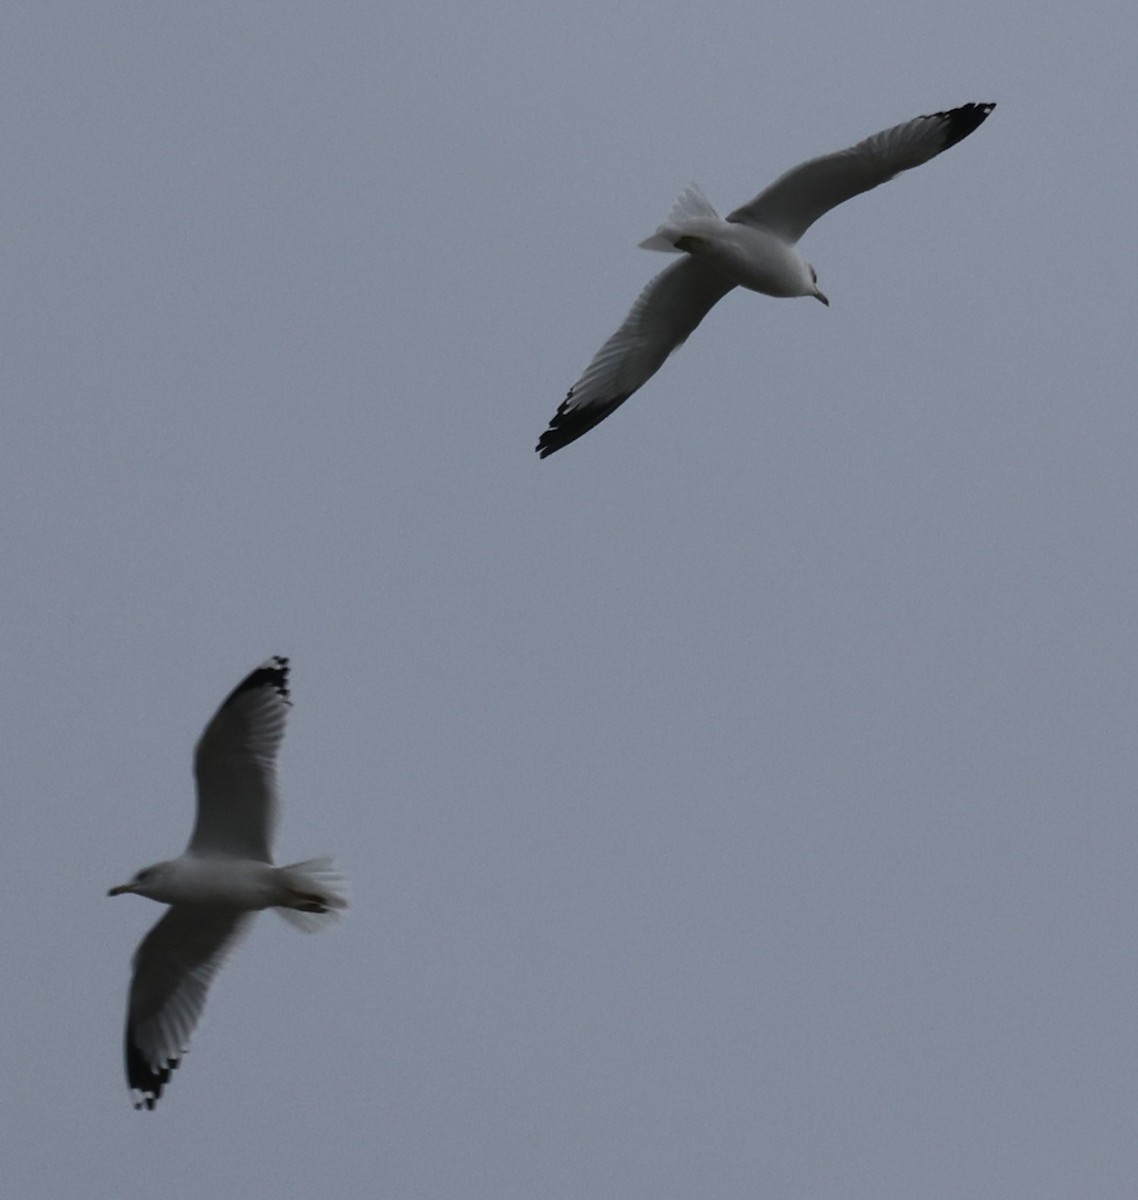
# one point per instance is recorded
(273, 673)
(569, 424)
(550, 442)
(557, 435)
(143, 1079)
(960, 122)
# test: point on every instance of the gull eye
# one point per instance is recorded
(813, 274)
(143, 876)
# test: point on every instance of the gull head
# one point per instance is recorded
(816, 293)
(145, 882)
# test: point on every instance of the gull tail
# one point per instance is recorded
(685, 223)
(316, 891)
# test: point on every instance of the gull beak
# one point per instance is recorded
(121, 890)
(818, 296)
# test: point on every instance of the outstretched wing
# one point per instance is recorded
(662, 319)
(235, 766)
(173, 968)
(797, 199)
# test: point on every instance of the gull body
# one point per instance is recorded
(754, 247)
(750, 256)
(224, 877)
(192, 879)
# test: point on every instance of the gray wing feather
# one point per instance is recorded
(797, 199)
(235, 767)
(663, 317)
(173, 968)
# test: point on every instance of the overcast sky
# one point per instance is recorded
(740, 802)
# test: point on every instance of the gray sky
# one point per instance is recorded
(739, 803)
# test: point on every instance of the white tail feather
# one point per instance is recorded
(692, 203)
(659, 241)
(319, 891)
(685, 220)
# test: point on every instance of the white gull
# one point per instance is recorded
(754, 248)
(221, 880)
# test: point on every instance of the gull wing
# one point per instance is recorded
(173, 968)
(661, 320)
(235, 765)
(797, 199)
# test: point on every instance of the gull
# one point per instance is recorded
(754, 247)
(222, 879)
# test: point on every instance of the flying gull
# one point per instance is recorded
(222, 879)
(753, 248)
